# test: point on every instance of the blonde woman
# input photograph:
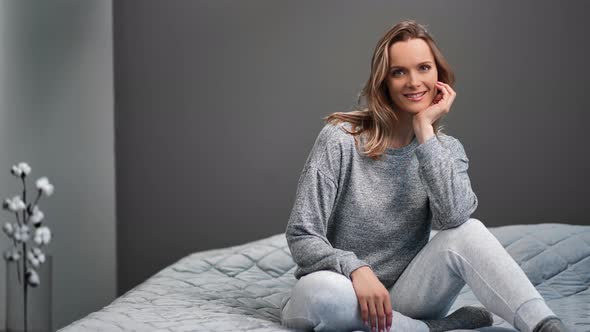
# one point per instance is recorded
(375, 182)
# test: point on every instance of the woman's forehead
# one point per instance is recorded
(409, 53)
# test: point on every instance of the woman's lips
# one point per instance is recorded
(416, 98)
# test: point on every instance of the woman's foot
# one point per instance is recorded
(467, 317)
(550, 324)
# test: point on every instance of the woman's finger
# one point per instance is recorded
(450, 95)
(372, 314)
(380, 313)
(365, 312)
(453, 95)
(438, 97)
(449, 89)
(445, 94)
(443, 89)
(388, 314)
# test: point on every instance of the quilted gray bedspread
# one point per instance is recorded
(240, 288)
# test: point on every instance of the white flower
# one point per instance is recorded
(32, 259)
(36, 216)
(15, 170)
(20, 169)
(12, 254)
(21, 233)
(44, 185)
(26, 169)
(32, 277)
(39, 254)
(14, 204)
(36, 257)
(42, 235)
(8, 229)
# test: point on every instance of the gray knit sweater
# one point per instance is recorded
(351, 211)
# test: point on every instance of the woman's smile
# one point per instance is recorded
(415, 96)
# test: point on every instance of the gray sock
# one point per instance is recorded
(550, 324)
(467, 317)
(400, 323)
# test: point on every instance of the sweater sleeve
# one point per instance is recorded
(308, 221)
(443, 171)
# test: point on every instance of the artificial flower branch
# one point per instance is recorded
(19, 232)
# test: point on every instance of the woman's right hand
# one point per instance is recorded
(373, 299)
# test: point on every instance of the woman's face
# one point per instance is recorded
(412, 70)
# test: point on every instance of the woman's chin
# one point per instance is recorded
(415, 107)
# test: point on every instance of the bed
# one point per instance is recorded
(240, 288)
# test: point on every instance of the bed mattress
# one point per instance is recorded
(240, 288)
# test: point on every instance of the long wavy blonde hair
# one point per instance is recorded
(376, 118)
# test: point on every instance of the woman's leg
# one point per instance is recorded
(470, 254)
(326, 301)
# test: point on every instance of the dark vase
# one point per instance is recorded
(38, 309)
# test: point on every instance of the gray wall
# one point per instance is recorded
(219, 102)
(56, 113)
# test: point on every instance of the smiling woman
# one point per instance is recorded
(359, 228)
(406, 60)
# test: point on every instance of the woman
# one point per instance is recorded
(374, 183)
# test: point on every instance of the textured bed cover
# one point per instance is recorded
(240, 288)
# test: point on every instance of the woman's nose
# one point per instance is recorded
(413, 80)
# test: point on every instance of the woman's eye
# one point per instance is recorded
(394, 73)
(398, 71)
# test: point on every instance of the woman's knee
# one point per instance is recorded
(466, 234)
(325, 288)
(326, 299)
(469, 226)
(473, 224)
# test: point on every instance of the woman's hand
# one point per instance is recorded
(373, 299)
(440, 106)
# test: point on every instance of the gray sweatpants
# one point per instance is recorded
(470, 253)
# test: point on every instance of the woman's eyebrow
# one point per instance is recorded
(421, 63)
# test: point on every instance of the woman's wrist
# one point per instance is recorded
(423, 131)
(362, 269)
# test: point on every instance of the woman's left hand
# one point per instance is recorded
(440, 106)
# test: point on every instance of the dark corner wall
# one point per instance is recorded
(217, 104)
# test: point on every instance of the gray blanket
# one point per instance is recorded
(240, 288)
